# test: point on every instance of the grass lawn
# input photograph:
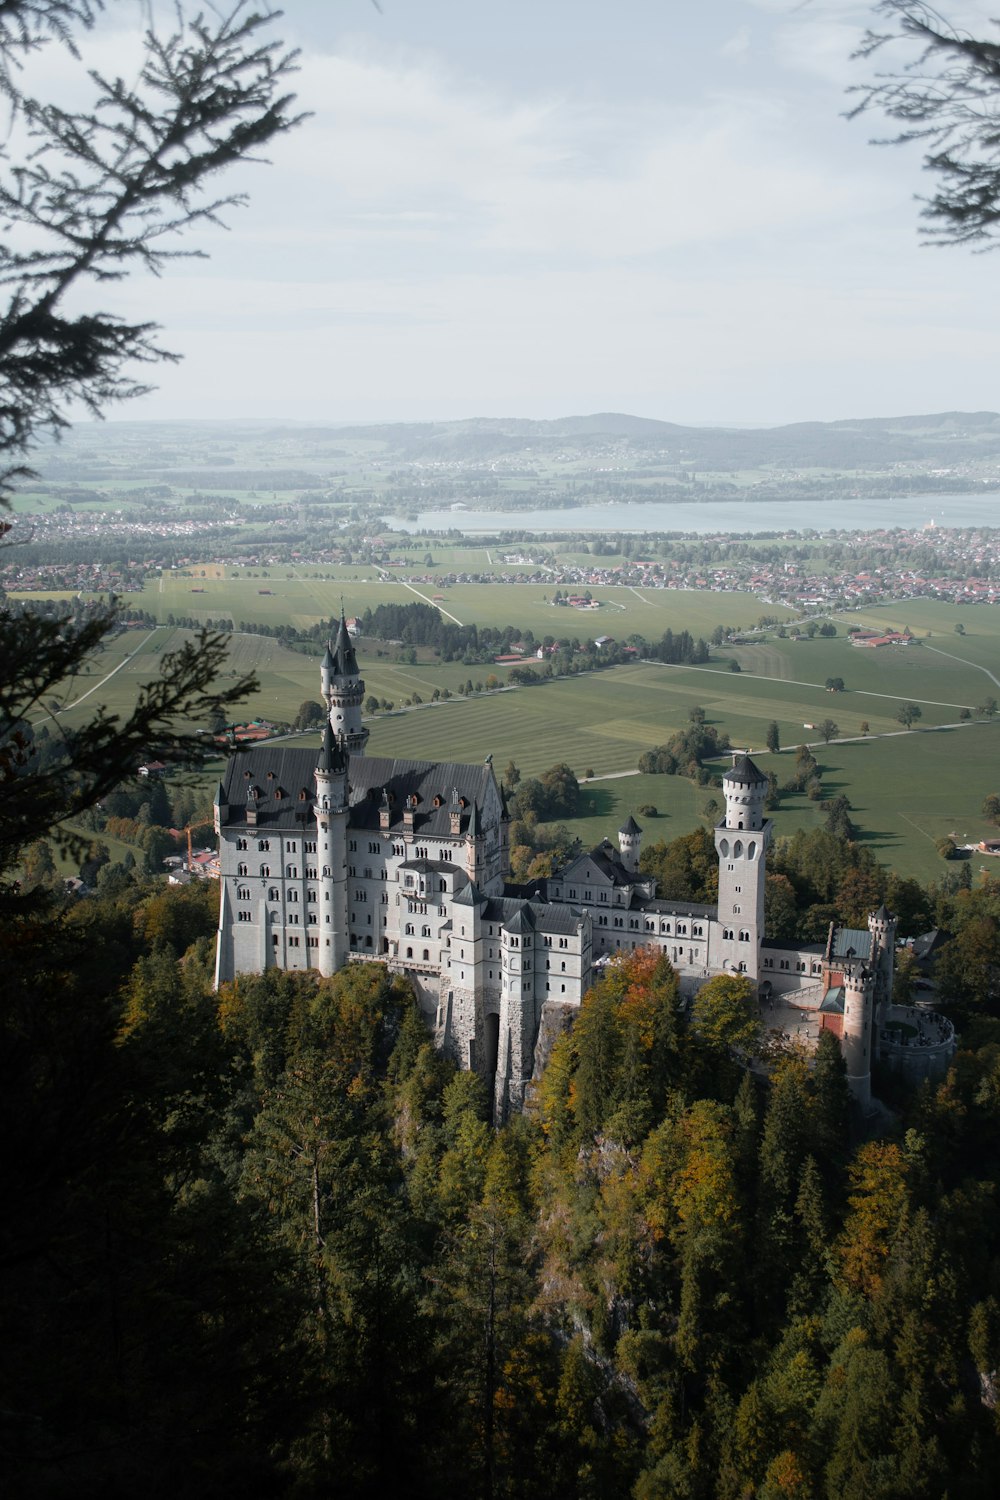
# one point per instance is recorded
(906, 790)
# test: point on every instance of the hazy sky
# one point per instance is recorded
(543, 207)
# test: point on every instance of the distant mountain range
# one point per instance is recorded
(606, 443)
(942, 438)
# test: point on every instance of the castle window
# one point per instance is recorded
(313, 921)
(241, 843)
(293, 847)
(293, 942)
(397, 849)
(310, 872)
(738, 847)
(311, 896)
(682, 929)
(425, 932)
(572, 894)
(562, 967)
(293, 895)
(242, 870)
(309, 848)
(743, 967)
(272, 894)
(327, 870)
(604, 895)
(265, 872)
(409, 930)
(274, 939)
(801, 967)
(427, 956)
(633, 923)
(353, 846)
(293, 919)
(736, 911)
(374, 848)
(361, 895)
(751, 849)
(263, 845)
(291, 871)
(409, 952)
(244, 916)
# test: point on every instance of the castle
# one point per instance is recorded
(343, 856)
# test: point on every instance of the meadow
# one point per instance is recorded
(905, 789)
(301, 598)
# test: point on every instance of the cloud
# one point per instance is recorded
(738, 45)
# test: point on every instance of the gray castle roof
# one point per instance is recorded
(274, 769)
(745, 772)
(630, 827)
(345, 661)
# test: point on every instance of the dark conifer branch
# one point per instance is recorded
(948, 98)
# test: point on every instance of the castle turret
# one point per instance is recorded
(332, 815)
(741, 840)
(629, 841)
(882, 926)
(856, 1039)
(326, 671)
(344, 690)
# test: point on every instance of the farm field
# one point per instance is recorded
(905, 790)
(299, 598)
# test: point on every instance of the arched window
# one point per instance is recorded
(242, 870)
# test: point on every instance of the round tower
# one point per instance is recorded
(629, 841)
(332, 816)
(856, 1041)
(344, 690)
(744, 786)
(741, 840)
(882, 926)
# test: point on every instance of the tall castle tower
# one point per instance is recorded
(741, 841)
(332, 814)
(856, 1037)
(344, 690)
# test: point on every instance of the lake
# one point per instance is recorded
(868, 513)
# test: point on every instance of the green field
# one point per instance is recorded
(301, 598)
(905, 789)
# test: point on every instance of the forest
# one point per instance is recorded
(266, 1239)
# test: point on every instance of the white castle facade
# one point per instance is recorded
(342, 856)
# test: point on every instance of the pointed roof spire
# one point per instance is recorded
(346, 663)
(332, 753)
